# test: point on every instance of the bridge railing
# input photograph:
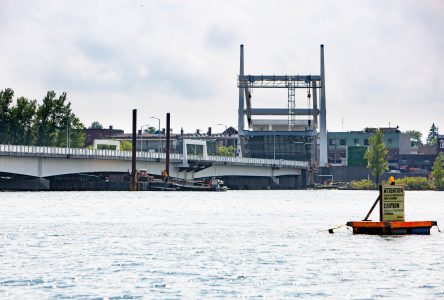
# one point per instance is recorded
(22, 150)
(249, 160)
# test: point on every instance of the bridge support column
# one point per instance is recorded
(40, 166)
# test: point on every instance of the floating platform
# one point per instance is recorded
(391, 227)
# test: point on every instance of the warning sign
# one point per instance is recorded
(392, 203)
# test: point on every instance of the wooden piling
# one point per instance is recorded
(167, 156)
(133, 183)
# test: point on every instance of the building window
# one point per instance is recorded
(332, 142)
(366, 142)
(355, 141)
(390, 141)
(342, 142)
(441, 144)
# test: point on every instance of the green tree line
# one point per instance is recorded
(50, 123)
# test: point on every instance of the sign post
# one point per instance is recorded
(392, 203)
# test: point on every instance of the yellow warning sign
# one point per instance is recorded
(392, 203)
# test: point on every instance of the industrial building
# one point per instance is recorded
(293, 128)
(339, 143)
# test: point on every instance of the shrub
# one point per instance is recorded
(226, 151)
(364, 184)
(415, 183)
(438, 172)
(439, 187)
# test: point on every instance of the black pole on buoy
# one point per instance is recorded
(372, 208)
(133, 184)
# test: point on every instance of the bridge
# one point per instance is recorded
(42, 162)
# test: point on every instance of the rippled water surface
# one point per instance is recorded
(156, 245)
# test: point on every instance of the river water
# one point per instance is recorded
(199, 245)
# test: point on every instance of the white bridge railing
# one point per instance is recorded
(40, 151)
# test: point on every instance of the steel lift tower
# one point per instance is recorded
(299, 126)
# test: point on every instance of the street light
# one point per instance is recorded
(141, 135)
(160, 141)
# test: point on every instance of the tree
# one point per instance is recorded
(56, 125)
(438, 172)
(432, 136)
(21, 122)
(376, 155)
(415, 136)
(16, 120)
(126, 145)
(77, 133)
(6, 98)
(150, 129)
(370, 130)
(225, 151)
(46, 121)
(96, 125)
(50, 124)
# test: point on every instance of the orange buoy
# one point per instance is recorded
(391, 227)
(391, 215)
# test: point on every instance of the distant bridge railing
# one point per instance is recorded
(58, 152)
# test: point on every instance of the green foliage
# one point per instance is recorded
(150, 129)
(365, 184)
(410, 183)
(376, 155)
(6, 98)
(20, 124)
(414, 183)
(415, 135)
(106, 147)
(432, 136)
(370, 130)
(51, 123)
(96, 125)
(77, 134)
(126, 146)
(226, 151)
(438, 172)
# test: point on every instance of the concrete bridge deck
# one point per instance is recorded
(42, 162)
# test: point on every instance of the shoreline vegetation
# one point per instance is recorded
(410, 184)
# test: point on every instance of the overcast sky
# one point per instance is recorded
(384, 59)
